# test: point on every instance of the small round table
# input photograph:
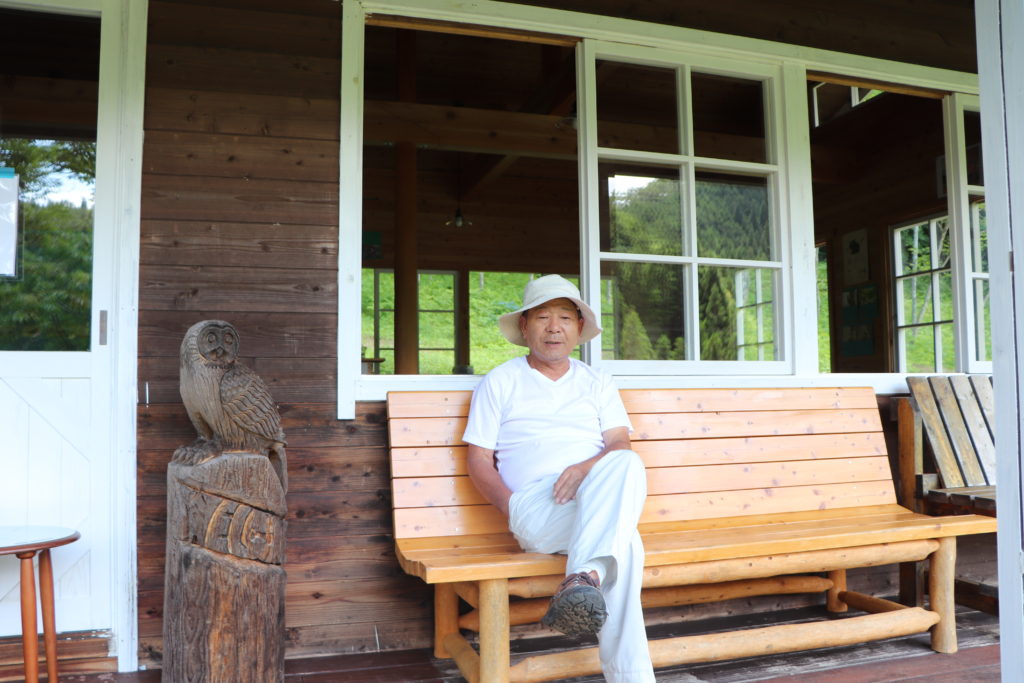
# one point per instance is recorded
(25, 542)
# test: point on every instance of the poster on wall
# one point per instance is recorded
(855, 257)
(8, 222)
(858, 316)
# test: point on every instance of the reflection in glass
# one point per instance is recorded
(948, 350)
(979, 237)
(737, 313)
(915, 248)
(47, 303)
(942, 226)
(917, 348)
(916, 294)
(646, 303)
(733, 217)
(642, 214)
(636, 107)
(982, 320)
(728, 118)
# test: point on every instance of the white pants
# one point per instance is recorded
(597, 530)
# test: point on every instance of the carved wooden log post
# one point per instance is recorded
(224, 590)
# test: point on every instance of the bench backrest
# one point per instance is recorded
(709, 453)
(958, 414)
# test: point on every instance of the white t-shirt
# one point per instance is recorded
(537, 426)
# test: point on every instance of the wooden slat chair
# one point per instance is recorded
(956, 414)
(751, 492)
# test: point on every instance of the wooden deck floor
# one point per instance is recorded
(898, 659)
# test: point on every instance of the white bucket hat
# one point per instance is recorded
(540, 291)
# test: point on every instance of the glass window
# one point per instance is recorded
(728, 118)
(636, 107)
(924, 297)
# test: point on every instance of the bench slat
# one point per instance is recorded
(448, 460)
(957, 431)
(977, 428)
(485, 519)
(702, 546)
(935, 429)
(428, 403)
(732, 400)
(754, 423)
(411, 492)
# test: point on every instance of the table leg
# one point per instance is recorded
(46, 600)
(29, 634)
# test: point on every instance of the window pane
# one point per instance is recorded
(437, 330)
(728, 118)
(979, 237)
(437, 362)
(942, 226)
(646, 302)
(945, 302)
(824, 329)
(917, 347)
(437, 291)
(916, 293)
(733, 217)
(946, 339)
(737, 311)
(915, 248)
(972, 140)
(643, 214)
(982, 320)
(636, 107)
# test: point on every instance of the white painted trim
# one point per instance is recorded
(81, 7)
(350, 208)
(999, 30)
(958, 209)
(589, 190)
(118, 198)
(56, 364)
(562, 22)
(376, 387)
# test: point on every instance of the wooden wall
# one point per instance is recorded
(239, 221)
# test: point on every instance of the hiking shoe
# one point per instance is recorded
(577, 608)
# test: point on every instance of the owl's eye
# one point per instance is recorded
(211, 338)
(229, 338)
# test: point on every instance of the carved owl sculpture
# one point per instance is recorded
(229, 405)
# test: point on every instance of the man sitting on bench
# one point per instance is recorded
(566, 477)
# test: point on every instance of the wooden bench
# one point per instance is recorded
(956, 414)
(751, 492)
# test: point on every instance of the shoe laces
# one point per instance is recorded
(577, 579)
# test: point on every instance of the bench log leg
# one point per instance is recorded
(494, 631)
(941, 575)
(834, 601)
(446, 617)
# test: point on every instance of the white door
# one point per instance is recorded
(70, 131)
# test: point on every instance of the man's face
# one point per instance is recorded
(552, 330)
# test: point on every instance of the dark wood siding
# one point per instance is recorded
(239, 221)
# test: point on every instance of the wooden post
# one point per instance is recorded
(941, 575)
(446, 617)
(406, 247)
(462, 357)
(834, 601)
(494, 631)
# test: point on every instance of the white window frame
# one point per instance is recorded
(958, 193)
(799, 317)
(774, 171)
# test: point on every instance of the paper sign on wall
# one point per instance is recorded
(8, 222)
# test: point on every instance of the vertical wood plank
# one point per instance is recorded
(911, 459)
(934, 427)
(833, 603)
(977, 428)
(949, 409)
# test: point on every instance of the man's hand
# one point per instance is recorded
(567, 484)
(483, 473)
